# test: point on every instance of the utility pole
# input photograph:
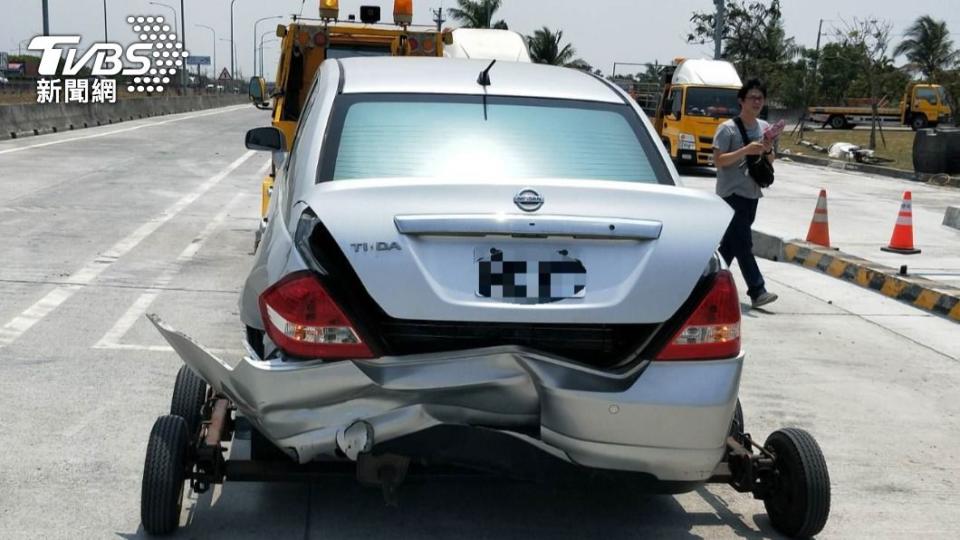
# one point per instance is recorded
(438, 17)
(183, 41)
(718, 29)
(105, 38)
(816, 87)
(799, 128)
(232, 50)
(46, 19)
(816, 60)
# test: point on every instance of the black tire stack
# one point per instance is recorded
(930, 152)
(952, 150)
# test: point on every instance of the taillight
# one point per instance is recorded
(303, 320)
(713, 330)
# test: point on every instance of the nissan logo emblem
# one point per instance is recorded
(528, 200)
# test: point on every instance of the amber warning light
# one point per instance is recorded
(402, 12)
(329, 9)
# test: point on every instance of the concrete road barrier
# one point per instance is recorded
(952, 217)
(934, 297)
(35, 119)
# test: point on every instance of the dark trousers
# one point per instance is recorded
(738, 243)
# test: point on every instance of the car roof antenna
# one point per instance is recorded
(484, 81)
(484, 78)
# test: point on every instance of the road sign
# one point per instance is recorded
(225, 75)
(198, 60)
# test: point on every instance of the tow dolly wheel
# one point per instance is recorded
(799, 502)
(189, 395)
(164, 472)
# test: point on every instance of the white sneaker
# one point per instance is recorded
(763, 299)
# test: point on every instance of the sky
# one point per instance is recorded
(602, 31)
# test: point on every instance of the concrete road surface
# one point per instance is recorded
(99, 226)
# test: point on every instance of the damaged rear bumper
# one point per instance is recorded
(666, 419)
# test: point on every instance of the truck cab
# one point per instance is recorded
(925, 105)
(697, 96)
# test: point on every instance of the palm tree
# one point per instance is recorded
(928, 45)
(477, 14)
(545, 48)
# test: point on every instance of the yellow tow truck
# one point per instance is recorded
(696, 96)
(306, 43)
(923, 105)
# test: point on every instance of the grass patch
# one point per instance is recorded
(899, 147)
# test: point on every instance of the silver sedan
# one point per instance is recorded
(490, 265)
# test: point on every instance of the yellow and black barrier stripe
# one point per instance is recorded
(919, 292)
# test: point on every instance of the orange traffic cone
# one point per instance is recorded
(819, 232)
(902, 239)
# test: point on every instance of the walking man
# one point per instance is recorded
(738, 188)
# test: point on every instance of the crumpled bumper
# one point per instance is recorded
(667, 419)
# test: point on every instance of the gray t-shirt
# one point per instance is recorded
(735, 180)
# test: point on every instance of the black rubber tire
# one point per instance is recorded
(918, 122)
(161, 494)
(800, 503)
(261, 449)
(189, 395)
(737, 425)
(838, 122)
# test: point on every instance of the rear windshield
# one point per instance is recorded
(451, 137)
(713, 102)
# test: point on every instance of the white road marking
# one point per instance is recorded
(111, 340)
(105, 406)
(84, 421)
(166, 348)
(95, 135)
(141, 304)
(43, 307)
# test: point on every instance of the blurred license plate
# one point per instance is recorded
(529, 276)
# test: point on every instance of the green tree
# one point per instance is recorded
(927, 44)
(477, 14)
(838, 70)
(871, 37)
(546, 47)
(753, 38)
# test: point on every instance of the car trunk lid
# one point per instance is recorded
(600, 251)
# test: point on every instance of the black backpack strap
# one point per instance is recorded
(743, 130)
